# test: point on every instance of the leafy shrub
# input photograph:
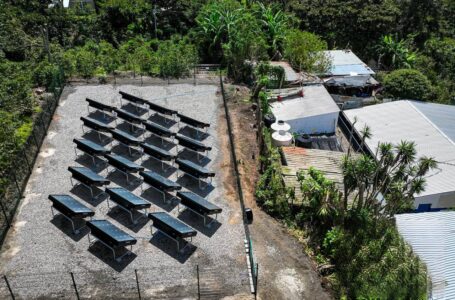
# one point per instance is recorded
(407, 84)
(302, 48)
(44, 74)
(176, 58)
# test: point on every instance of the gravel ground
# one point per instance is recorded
(40, 252)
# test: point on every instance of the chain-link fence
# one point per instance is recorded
(129, 284)
(15, 176)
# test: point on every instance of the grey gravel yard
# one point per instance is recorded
(40, 252)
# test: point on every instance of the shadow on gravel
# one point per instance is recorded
(169, 246)
(192, 156)
(192, 184)
(123, 218)
(193, 133)
(83, 193)
(121, 149)
(156, 198)
(64, 226)
(158, 142)
(131, 129)
(155, 166)
(120, 179)
(87, 161)
(93, 136)
(161, 120)
(105, 254)
(99, 116)
(134, 109)
(197, 222)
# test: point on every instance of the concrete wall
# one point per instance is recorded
(315, 124)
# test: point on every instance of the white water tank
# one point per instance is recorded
(281, 138)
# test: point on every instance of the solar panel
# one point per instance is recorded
(110, 234)
(171, 225)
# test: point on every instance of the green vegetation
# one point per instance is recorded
(412, 42)
(351, 230)
(407, 84)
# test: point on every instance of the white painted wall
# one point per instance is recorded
(442, 200)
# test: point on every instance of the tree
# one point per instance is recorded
(275, 22)
(246, 45)
(353, 24)
(395, 174)
(215, 22)
(303, 50)
(407, 84)
(395, 54)
(176, 57)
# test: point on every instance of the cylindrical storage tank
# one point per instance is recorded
(280, 125)
(269, 119)
(303, 141)
(281, 138)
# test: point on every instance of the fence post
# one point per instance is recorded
(9, 287)
(75, 286)
(137, 283)
(256, 281)
(198, 284)
(194, 75)
(6, 216)
(26, 160)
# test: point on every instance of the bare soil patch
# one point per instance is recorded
(285, 271)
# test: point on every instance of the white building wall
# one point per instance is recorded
(442, 200)
(314, 124)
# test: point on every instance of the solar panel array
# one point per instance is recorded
(133, 131)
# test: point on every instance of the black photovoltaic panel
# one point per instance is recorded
(87, 176)
(96, 125)
(198, 204)
(90, 147)
(171, 226)
(192, 144)
(159, 182)
(110, 234)
(193, 169)
(123, 163)
(70, 207)
(127, 199)
(157, 152)
(99, 105)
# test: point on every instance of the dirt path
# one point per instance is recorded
(285, 271)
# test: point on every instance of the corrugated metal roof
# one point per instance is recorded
(316, 101)
(345, 62)
(443, 116)
(328, 162)
(432, 237)
(402, 120)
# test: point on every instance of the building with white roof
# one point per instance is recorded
(431, 126)
(346, 63)
(314, 113)
(431, 238)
